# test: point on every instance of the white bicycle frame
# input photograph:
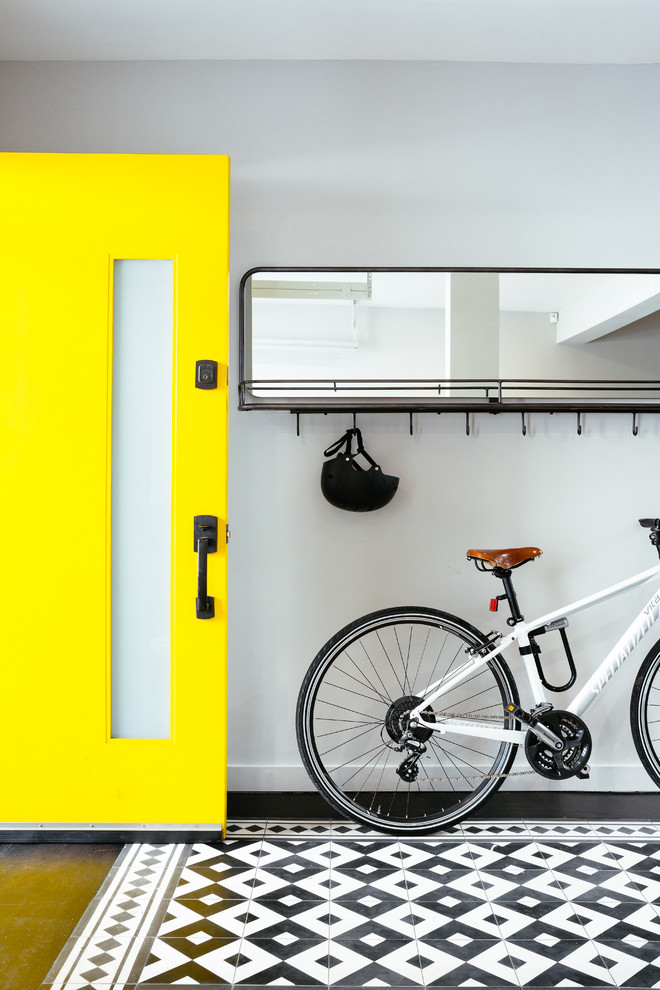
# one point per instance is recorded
(520, 634)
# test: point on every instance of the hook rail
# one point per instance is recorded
(468, 413)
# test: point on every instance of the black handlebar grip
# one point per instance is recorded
(650, 523)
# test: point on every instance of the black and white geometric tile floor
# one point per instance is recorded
(319, 904)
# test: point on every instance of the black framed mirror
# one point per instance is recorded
(461, 339)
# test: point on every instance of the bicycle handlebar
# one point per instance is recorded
(650, 523)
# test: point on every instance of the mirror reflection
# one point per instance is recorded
(447, 336)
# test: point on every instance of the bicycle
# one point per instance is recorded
(409, 718)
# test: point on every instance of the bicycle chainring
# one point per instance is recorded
(569, 762)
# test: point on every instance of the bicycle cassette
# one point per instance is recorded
(571, 761)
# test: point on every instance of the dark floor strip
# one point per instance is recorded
(505, 804)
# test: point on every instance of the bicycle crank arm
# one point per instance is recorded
(541, 731)
(547, 736)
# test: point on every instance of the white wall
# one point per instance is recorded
(529, 349)
(379, 164)
(389, 343)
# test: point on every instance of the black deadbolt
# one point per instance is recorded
(206, 374)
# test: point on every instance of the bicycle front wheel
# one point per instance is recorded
(645, 713)
(352, 712)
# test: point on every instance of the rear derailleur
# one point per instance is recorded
(409, 770)
(408, 735)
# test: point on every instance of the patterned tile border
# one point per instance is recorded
(474, 829)
(104, 946)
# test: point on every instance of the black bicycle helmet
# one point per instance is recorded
(347, 485)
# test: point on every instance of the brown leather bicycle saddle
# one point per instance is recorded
(505, 558)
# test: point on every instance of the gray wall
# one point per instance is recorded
(376, 163)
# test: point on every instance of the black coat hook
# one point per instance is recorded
(524, 427)
(579, 425)
(635, 427)
(411, 425)
(467, 424)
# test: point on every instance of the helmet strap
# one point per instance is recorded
(347, 441)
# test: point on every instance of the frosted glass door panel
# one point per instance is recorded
(141, 499)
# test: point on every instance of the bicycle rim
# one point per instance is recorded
(352, 708)
(645, 713)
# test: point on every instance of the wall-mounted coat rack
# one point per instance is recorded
(578, 412)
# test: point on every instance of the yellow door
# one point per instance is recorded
(112, 441)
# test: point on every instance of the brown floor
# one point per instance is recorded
(44, 890)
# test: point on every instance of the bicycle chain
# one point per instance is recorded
(480, 776)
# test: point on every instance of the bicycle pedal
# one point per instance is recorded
(521, 714)
(583, 774)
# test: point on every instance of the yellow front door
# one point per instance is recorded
(113, 409)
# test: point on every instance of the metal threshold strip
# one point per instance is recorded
(119, 832)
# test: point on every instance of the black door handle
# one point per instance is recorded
(206, 542)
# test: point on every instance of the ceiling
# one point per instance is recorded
(537, 31)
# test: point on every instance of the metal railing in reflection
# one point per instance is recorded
(462, 394)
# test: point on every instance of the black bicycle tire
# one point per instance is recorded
(649, 758)
(304, 712)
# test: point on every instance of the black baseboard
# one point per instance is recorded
(302, 805)
(512, 804)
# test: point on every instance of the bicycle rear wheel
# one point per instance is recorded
(352, 708)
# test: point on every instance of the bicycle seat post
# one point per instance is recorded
(505, 575)
(654, 535)
(501, 563)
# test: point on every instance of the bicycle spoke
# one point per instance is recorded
(349, 728)
(352, 691)
(470, 749)
(439, 756)
(396, 789)
(367, 752)
(437, 659)
(403, 691)
(406, 683)
(421, 657)
(385, 698)
(324, 718)
(343, 707)
(380, 749)
(377, 791)
(359, 735)
(387, 694)
(471, 766)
